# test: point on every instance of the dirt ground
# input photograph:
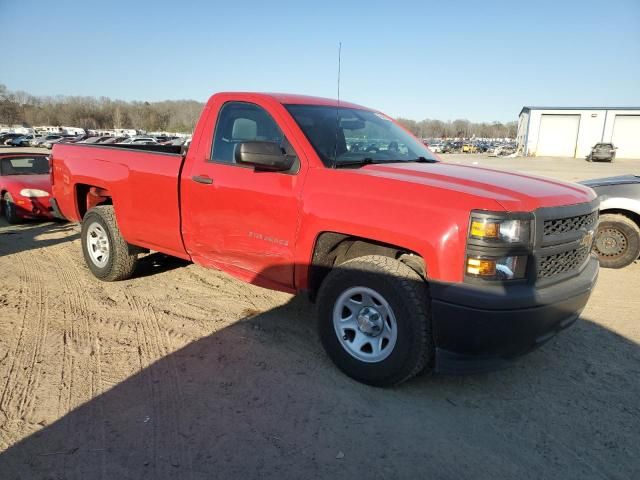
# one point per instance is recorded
(186, 373)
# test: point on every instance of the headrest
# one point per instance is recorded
(244, 129)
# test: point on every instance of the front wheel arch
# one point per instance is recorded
(332, 249)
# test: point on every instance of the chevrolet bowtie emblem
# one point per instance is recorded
(587, 239)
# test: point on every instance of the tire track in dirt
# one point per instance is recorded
(17, 400)
(164, 391)
(81, 374)
(247, 299)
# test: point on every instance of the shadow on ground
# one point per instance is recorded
(218, 409)
(30, 235)
(156, 263)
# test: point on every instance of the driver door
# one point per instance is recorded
(235, 218)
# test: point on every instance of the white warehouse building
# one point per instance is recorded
(572, 132)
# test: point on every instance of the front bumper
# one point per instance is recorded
(478, 329)
(33, 208)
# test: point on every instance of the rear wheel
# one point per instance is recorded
(617, 241)
(107, 254)
(9, 209)
(374, 320)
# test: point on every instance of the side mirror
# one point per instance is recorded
(267, 156)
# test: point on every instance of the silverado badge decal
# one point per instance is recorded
(268, 238)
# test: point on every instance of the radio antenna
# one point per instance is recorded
(335, 145)
(339, 64)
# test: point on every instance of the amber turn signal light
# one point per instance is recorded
(482, 229)
(482, 267)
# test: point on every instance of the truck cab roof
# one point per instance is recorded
(293, 99)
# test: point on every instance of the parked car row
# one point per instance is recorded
(47, 141)
(459, 146)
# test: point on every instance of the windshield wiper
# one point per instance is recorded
(354, 163)
(415, 160)
(412, 160)
(369, 161)
(424, 160)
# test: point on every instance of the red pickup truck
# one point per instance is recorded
(415, 264)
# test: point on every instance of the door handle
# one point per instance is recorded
(202, 179)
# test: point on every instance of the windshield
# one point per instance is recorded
(24, 166)
(351, 136)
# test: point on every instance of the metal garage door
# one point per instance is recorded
(558, 135)
(626, 136)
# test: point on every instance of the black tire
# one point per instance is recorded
(407, 295)
(9, 209)
(121, 260)
(617, 241)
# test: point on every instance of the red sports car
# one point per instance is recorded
(25, 186)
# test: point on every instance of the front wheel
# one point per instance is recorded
(9, 209)
(374, 320)
(107, 254)
(617, 241)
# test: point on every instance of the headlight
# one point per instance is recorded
(500, 230)
(33, 192)
(497, 268)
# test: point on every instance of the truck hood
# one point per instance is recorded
(605, 182)
(513, 191)
(41, 182)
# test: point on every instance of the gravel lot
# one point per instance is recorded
(187, 373)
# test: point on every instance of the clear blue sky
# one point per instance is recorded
(417, 59)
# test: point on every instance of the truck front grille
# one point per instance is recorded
(559, 226)
(551, 265)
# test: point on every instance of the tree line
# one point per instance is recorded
(179, 116)
(97, 113)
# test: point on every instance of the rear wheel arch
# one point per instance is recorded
(333, 248)
(89, 196)
(634, 216)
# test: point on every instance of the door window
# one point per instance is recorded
(242, 122)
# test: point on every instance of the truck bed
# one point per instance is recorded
(141, 181)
